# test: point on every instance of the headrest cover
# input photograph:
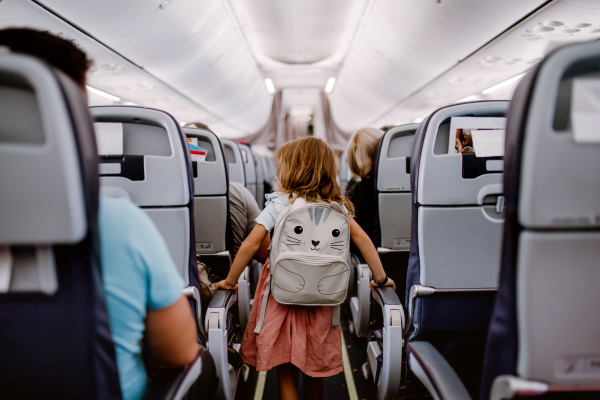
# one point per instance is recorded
(450, 179)
(392, 159)
(153, 166)
(560, 153)
(237, 172)
(42, 199)
(210, 176)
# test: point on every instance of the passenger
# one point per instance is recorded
(142, 285)
(199, 125)
(243, 212)
(361, 157)
(297, 337)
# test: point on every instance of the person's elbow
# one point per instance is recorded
(171, 335)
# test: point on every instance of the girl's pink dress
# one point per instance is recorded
(300, 335)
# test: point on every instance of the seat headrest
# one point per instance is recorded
(555, 141)
(392, 160)
(210, 175)
(235, 163)
(249, 164)
(143, 152)
(46, 173)
(455, 178)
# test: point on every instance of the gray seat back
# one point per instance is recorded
(345, 173)
(458, 227)
(236, 165)
(260, 181)
(556, 234)
(54, 328)
(153, 171)
(249, 168)
(210, 193)
(393, 186)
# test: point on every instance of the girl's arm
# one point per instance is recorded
(243, 257)
(369, 253)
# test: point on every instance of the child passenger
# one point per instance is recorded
(298, 337)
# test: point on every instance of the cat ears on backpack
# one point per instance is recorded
(299, 203)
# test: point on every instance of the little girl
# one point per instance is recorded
(298, 337)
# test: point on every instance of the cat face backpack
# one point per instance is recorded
(309, 249)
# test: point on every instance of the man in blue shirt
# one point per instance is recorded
(142, 285)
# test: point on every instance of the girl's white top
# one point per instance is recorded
(268, 216)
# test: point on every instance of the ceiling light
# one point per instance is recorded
(329, 85)
(469, 98)
(502, 84)
(270, 85)
(103, 94)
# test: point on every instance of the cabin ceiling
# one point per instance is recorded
(393, 60)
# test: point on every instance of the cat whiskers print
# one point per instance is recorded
(292, 241)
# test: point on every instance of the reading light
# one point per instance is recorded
(329, 84)
(502, 84)
(103, 94)
(270, 85)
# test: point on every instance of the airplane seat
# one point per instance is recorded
(236, 165)
(260, 181)
(249, 168)
(345, 173)
(543, 336)
(55, 335)
(213, 243)
(392, 230)
(457, 222)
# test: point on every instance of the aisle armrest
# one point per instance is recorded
(174, 384)
(435, 373)
(216, 315)
(393, 313)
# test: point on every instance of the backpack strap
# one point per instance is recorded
(263, 305)
(335, 315)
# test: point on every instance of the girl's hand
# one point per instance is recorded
(223, 285)
(390, 282)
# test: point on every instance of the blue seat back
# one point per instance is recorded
(545, 320)
(455, 240)
(55, 334)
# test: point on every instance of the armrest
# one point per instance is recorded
(435, 373)
(391, 307)
(192, 293)
(385, 295)
(216, 315)
(173, 384)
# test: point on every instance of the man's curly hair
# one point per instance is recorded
(56, 51)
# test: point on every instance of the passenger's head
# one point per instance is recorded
(56, 51)
(198, 125)
(361, 151)
(307, 168)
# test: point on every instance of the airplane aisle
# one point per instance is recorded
(336, 387)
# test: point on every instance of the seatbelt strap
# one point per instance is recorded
(379, 359)
(335, 315)
(263, 306)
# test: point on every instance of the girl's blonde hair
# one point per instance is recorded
(306, 167)
(361, 151)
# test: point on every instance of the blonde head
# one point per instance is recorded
(361, 151)
(306, 167)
